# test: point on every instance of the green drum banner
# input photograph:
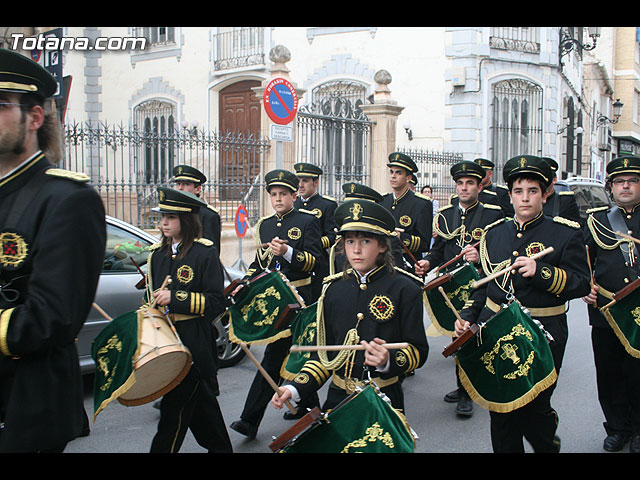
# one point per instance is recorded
(508, 362)
(458, 289)
(363, 423)
(624, 318)
(303, 332)
(114, 351)
(255, 315)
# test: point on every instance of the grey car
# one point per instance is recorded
(589, 193)
(125, 256)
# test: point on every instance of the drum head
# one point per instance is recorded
(158, 375)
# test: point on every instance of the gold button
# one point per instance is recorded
(393, 207)
(519, 235)
(629, 216)
(169, 280)
(363, 286)
(515, 253)
(279, 224)
(360, 316)
(626, 280)
(462, 218)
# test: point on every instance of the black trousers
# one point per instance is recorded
(192, 405)
(260, 392)
(618, 382)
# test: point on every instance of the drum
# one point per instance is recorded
(508, 362)
(263, 309)
(363, 423)
(457, 285)
(162, 361)
(623, 315)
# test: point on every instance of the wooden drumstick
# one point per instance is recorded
(316, 348)
(450, 305)
(628, 237)
(595, 304)
(267, 377)
(509, 268)
(101, 311)
(164, 284)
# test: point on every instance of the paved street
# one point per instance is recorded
(130, 429)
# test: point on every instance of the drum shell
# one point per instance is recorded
(163, 360)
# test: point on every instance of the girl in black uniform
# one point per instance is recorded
(193, 297)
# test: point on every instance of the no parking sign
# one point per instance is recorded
(280, 101)
(241, 223)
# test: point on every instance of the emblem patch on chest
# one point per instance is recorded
(477, 233)
(533, 248)
(13, 250)
(405, 220)
(185, 274)
(381, 307)
(294, 233)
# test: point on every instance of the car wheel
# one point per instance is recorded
(229, 353)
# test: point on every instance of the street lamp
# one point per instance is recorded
(567, 42)
(617, 112)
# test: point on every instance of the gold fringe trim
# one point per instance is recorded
(510, 406)
(616, 329)
(434, 320)
(132, 378)
(263, 341)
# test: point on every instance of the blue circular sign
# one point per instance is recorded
(280, 101)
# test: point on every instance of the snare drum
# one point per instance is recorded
(457, 285)
(263, 310)
(508, 363)
(162, 362)
(363, 423)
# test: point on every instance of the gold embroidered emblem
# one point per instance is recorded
(294, 233)
(302, 378)
(185, 274)
(405, 220)
(317, 212)
(280, 175)
(13, 250)
(179, 170)
(477, 233)
(523, 162)
(625, 162)
(300, 256)
(356, 210)
(181, 295)
(353, 187)
(102, 363)
(161, 195)
(545, 273)
(401, 358)
(381, 307)
(374, 433)
(533, 248)
(507, 351)
(636, 315)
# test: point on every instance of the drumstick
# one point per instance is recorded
(266, 376)
(101, 311)
(164, 284)
(595, 304)
(628, 237)
(450, 305)
(509, 268)
(457, 257)
(316, 348)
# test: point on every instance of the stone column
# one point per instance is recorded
(384, 114)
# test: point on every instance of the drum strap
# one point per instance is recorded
(341, 382)
(619, 225)
(535, 312)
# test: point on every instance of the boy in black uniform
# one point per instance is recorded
(458, 228)
(323, 208)
(52, 241)
(193, 298)
(190, 179)
(412, 211)
(543, 286)
(290, 242)
(369, 303)
(615, 264)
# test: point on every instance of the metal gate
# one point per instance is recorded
(334, 134)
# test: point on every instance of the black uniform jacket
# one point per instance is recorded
(56, 246)
(211, 225)
(612, 270)
(197, 297)
(391, 304)
(302, 232)
(560, 276)
(414, 214)
(452, 238)
(323, 208)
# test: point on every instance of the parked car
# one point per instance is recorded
(117, 292)
(589, 193)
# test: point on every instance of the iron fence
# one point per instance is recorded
(126, 164)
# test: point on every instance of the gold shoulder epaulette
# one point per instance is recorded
(329, 198)
(214, 209)
(155, 246)
(204, 241)
(420, 195)
(597, 209)
(566, 192)
(497, 222)
(490, 192)
(444, 208)
(566, 221)
(491, 206)
(68, 174)
(408, 274)
(309, 212)
(331, 278)
(502, 186)
(452, 196)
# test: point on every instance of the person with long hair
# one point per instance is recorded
(192, 298)
(371, 302)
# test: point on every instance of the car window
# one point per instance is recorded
(123, 249)
(600, 198)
